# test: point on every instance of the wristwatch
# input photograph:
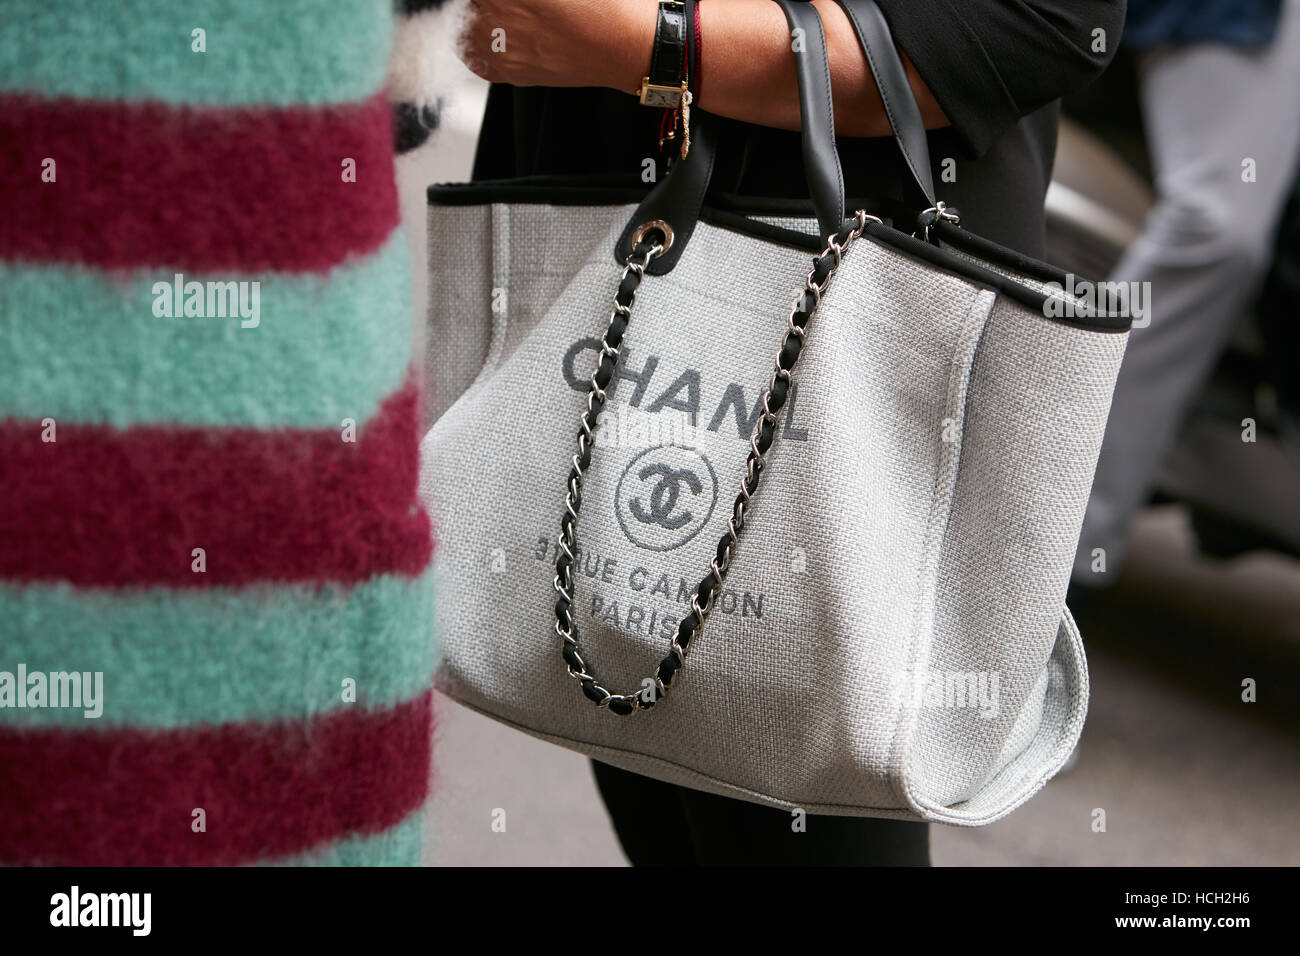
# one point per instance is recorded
(665, 85)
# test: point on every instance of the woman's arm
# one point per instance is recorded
(750, 69)
(747, 64)
(981, 64)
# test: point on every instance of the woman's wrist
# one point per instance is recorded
(560, 43)
(623, 55)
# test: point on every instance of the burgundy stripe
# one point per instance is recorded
(201, 188)
(103, 507)
(127, 797)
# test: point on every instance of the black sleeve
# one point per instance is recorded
(990, 62)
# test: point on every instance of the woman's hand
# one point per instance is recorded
(560, 42)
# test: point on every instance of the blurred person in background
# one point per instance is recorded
(1218, 81)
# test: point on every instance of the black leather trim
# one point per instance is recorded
(669, 56)
(952, 264)
(602, 189)
(978, 246)
(678, 197)
(895, 91)
(542, 189)
(942, 260)
(821, 158)
(733, 213)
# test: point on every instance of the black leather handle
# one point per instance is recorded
(821, 158)
(678, 198)
(895, 91)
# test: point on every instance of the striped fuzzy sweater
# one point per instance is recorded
(209, 529)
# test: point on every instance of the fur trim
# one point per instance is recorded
(274, 52)
(421, 65)
(211, 188)
(221, 655)
(127, 797)
(105, 507)
(327, 347)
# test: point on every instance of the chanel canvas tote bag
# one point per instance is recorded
(775, 504)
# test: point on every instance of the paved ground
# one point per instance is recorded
(1186, 772)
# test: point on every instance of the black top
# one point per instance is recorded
(996, 67)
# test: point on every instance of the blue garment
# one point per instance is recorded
(1238, 22)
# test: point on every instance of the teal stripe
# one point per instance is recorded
(279, 52)
(85, 346)
(397, 846)
(181, 658)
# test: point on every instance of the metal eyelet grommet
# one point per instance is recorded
(655, 225)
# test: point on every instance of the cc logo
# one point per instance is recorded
(665, 496)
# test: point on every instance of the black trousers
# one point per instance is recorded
(667, 825)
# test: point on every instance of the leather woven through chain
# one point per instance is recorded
(774, 397)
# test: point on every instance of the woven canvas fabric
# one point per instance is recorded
(891, 639)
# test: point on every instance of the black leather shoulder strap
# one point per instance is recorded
(820, 157)
(895, 91)
(677, 198)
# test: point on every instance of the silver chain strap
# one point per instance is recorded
(760, 441)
